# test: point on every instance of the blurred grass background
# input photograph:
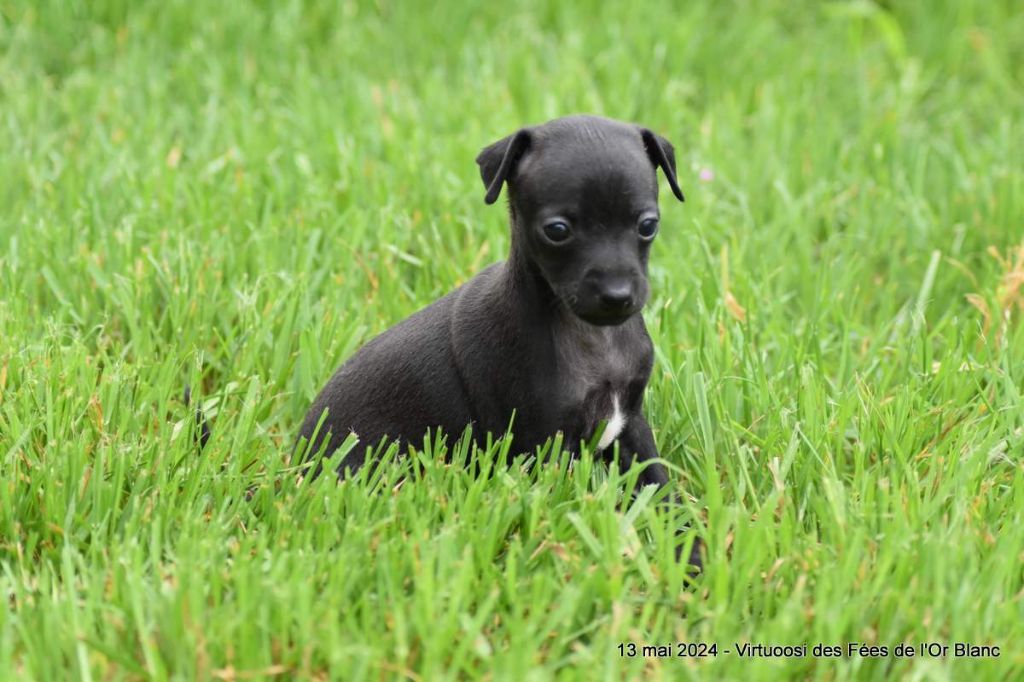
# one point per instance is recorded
(238, 195)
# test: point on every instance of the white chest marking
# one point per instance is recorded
(615, 423)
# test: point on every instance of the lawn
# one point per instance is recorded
(236, 196)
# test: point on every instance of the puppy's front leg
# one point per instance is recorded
(636, 445)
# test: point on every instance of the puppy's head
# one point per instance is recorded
(583, 194)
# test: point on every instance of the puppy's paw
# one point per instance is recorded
(695, 560)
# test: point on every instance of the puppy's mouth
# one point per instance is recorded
(590, 308)
(606, 319)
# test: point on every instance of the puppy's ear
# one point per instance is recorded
(662, 155)
(497, 161)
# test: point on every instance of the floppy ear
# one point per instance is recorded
(662, 155)
(498, 160)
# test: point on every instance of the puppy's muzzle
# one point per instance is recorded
(609, 300)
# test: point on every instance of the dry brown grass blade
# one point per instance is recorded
(1009, 293)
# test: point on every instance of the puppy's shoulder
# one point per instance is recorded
(481, 300)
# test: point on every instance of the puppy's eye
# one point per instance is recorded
(557, 231)
(648, 228)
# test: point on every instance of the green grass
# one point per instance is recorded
(237, 195)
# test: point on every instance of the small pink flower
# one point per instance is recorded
(707, 175)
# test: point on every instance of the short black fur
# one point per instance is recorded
(553, 333)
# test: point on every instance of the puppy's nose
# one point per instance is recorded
(617, 296)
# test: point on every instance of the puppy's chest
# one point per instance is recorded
(599, 378)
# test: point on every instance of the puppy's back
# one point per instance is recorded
(400, 384)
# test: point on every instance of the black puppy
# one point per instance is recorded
(553, 333)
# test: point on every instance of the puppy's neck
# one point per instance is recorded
(527, 285)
